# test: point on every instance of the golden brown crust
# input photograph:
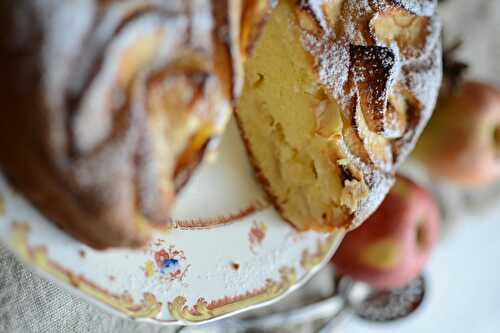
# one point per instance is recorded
(255, 14)
(102, 115)
(227, 15)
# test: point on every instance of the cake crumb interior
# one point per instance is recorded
(294, 130)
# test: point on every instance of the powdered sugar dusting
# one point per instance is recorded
(420, 76)
(332, 61)
(76, 17)
(93, 107)
(316, 8)
(423, 79)
(419, 7)
(379, 183)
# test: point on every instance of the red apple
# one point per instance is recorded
(461, 144)
(392, 246)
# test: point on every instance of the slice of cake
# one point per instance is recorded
(336, 93)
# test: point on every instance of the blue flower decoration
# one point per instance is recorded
(169, 265)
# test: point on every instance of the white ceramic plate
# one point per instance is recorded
(229, 251)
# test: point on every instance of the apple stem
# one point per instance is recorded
(420, 234)
(496, 138)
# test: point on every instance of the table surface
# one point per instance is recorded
(464, 283)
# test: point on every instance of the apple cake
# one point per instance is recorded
(108, 106)
(336, 94)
